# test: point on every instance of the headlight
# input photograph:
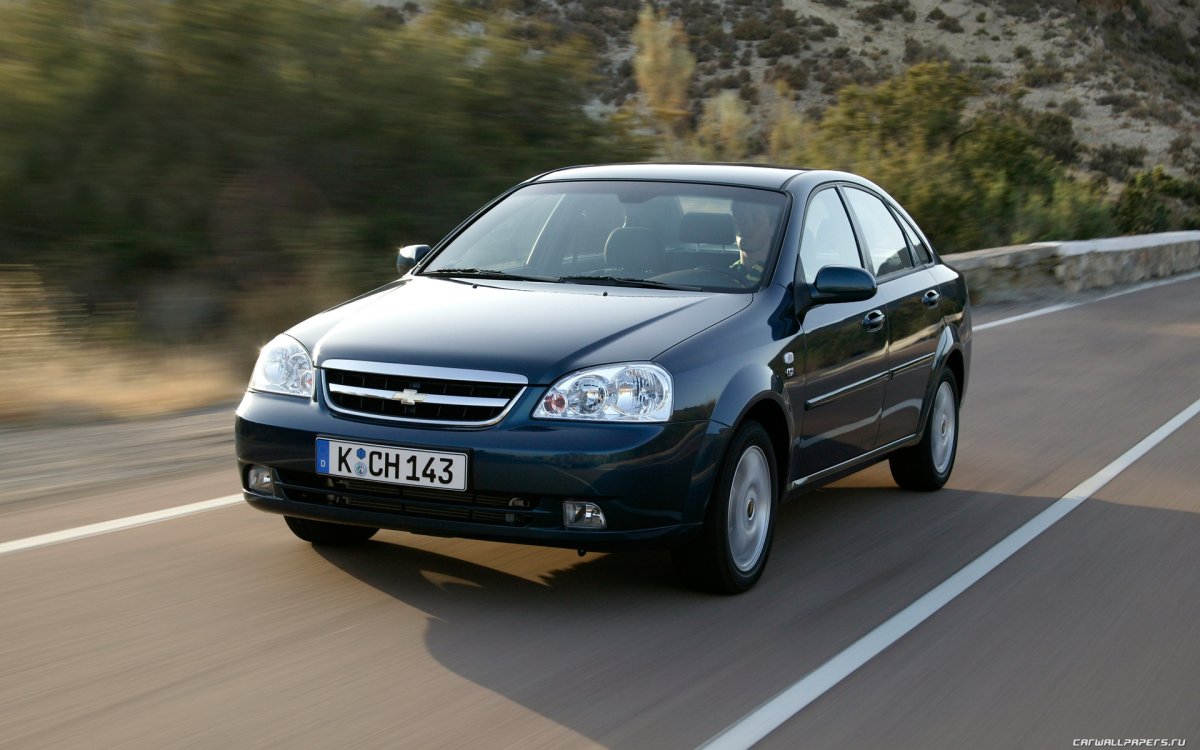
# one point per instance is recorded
(284, 366)
(634, 392)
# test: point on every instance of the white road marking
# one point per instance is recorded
(107, 527)
(1069, 305)
(1026, 316)
(762, 721)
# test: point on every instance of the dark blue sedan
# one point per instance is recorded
(616, 356)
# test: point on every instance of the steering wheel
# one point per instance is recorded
(702, 276)
(726, 272)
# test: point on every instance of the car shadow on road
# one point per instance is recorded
(618, 629)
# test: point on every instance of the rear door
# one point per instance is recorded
(913, 308)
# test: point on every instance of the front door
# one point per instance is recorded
(845, 347)
(913, 311)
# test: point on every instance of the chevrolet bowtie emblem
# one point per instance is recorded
(408, 397)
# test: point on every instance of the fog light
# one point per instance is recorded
(259, 480)
(581, 515)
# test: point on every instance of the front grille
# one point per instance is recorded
(477, 507)
(389, 392)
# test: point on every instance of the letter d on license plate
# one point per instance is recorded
(381, 463)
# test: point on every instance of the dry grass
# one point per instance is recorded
(91, 383)
(56, 375)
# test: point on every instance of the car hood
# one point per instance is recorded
(537, 330)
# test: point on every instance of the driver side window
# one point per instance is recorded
(828, 238)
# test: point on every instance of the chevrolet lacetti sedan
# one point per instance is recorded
(616, 356)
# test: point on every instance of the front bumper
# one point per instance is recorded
(651, 480)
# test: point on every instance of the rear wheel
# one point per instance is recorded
(323, 532)
(927, 465)
(731, 552)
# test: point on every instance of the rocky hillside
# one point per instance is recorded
(1125, 74)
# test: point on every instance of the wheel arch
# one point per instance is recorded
(956, 365)
(756, 394)
(950, 356)
(770, 414)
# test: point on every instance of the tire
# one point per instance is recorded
(926, 466)
(729, 555)
(333, 534)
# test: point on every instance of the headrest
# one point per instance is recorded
(631, 247)
(707, 229)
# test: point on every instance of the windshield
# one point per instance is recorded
(646, 234)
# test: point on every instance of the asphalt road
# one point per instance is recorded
(222, 630)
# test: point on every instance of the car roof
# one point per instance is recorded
(747, 175)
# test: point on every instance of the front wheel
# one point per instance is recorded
(731, 552)
(323, 532)
(927, 465)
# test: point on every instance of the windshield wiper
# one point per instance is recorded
(622, 281)
(484, 273)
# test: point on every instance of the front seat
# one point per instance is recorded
(707, 229)
(635, 250)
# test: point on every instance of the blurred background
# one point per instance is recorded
(183, 180)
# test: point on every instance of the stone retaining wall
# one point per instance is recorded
(1021, 272)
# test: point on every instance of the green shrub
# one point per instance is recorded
(972, 181)
(1119, 102)
(1072, 210)
(786, 16)
(1117, 161)
(794, 75)
(1154, 201)
(780, 43)
(751, 29)
(1185, 154)
(884, 10)
(1043, 74)
(950, 24)
(1054, 133)
(1142, 207)
(817, 29)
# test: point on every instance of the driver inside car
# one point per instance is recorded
(754, 229)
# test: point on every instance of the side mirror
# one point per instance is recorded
(842, 284)
(409, 256)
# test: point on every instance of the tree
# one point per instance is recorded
(971, 180)
(663, 68)
(254, 144)
(725, 130)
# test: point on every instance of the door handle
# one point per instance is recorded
(874, 320)
(931, 298)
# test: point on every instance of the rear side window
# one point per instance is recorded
(885, 241)
(923, 254)
(828, 238)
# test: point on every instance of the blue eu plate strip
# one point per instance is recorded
(322, 456)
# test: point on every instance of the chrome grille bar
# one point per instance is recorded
(424, 371)
(418, 394)
(417, 397)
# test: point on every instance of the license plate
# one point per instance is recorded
(381, 463)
